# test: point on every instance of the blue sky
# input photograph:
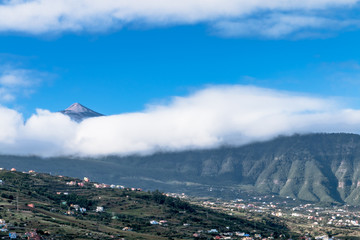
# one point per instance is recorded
(174, 75)
(121, 70)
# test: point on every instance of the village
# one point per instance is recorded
(73, 209)
(314, 220)
(311, 221)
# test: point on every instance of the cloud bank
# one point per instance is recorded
(210, 117)
(227, 17)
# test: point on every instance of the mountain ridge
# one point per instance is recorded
(314, 167)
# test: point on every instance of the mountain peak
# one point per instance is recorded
(77, 107)
(78, 112)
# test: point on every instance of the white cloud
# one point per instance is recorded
(44, 16)
(211, 117)
(14, 82)
(283, 25)
(10, 124)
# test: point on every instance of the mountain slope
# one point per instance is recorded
(54, 206)
(315, 167)
(78, 112)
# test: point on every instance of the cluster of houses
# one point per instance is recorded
(98, 209)
(346, 217)
(14, 170)
(343, 223)
(32, 235)
(177, 195)
(98, 185)
(78, 208)
(28, 235)
(230, 235)
(338, 217)
(13, 235)
(74, 183)
(216, 234)
(103, 185)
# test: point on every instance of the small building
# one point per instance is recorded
(127, 229)
(69, 212)
(75, 206)
(163, 223)
(32, 235)
(99, 209)
(12, 235)
(71, 183)
(2, 222)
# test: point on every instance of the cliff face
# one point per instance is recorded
(317, 167)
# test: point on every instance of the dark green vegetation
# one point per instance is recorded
(47, 204)
(316, 167)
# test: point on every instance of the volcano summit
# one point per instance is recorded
(78, 112)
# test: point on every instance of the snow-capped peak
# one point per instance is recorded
(78, 112)
(77, 107)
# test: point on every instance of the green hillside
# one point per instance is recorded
(53, 207)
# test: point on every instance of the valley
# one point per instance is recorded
(298, 186)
